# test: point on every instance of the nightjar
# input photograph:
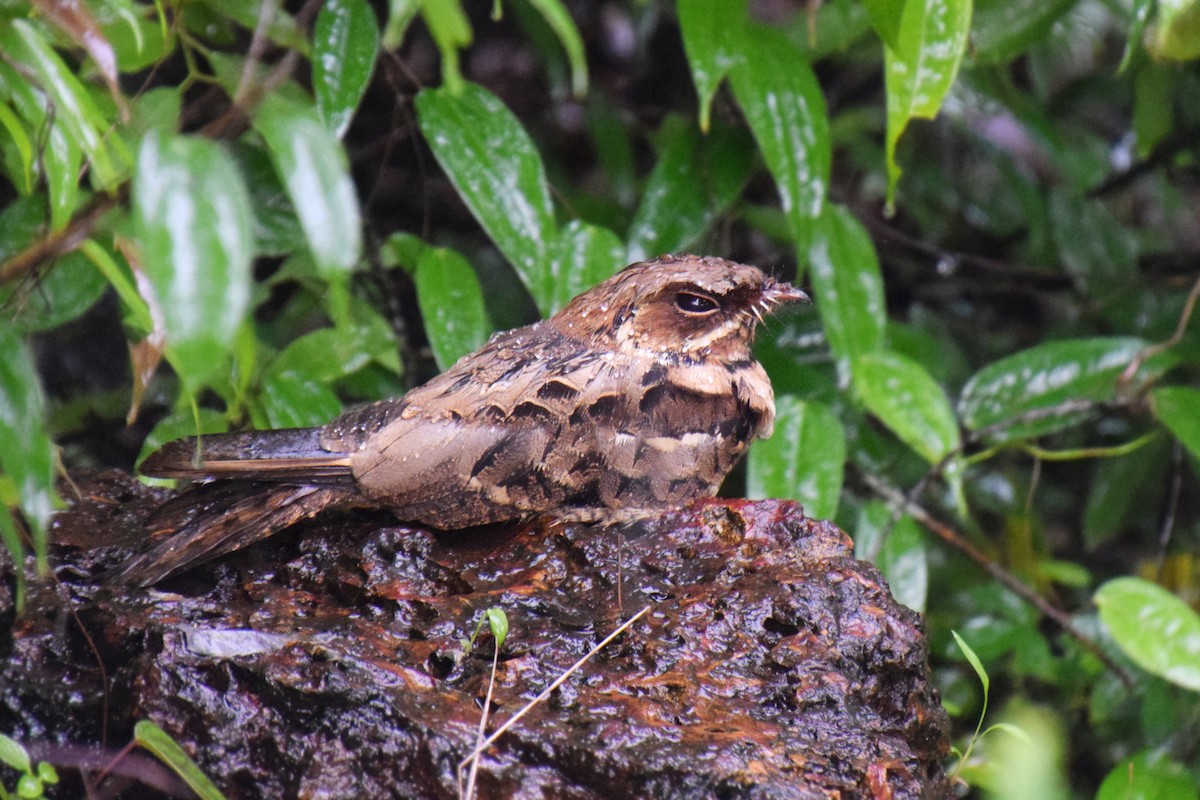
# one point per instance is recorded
(639, 396)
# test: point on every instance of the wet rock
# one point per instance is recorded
(328, 662)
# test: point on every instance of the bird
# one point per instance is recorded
(638, 397)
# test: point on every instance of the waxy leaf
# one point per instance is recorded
(312, 166)
(74, 108)
(158, 742)
(921, 67)
(1149, 775)
(904, 397)
(712, 35)
(1157, 630)
(26, 453)
(901, 556)
(1178, 407)
(192, 216)
(1003, 29)
(848, 287)
(804, 460)
(782, 101)
(696, 178)
(556, 16)
(1050, 387)
(345, 43)
(498, 172)
(451, 301)
(583, 256)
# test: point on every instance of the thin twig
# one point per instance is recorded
(479, 749)
(1014, 584)
(1189, 306)
(469, 794)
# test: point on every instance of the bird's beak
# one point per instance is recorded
(776, 292)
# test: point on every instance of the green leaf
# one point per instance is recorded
(26, 453)
(712, 32)
(63, 289)
(695, 179)
(1148, 775)
(908, 401)
(312, 166)
(848, 287)
(560, 22)
(498, 624)
(1158, 631)
(451, 31)
(885, 17)
(62, 160)
(1051, 386)
(13, 754)
(499, 174)
(295, 399)
(192, 216)
(1178, 407)
(345, 43)
(72, 104)
(148, 735)
(583, 256)
(901, 557)
(21, 173)
(400, 14)
(920, 70)
(974, 661)
(181, 423)
(1003, 29)
(782, 101)
(1118, 488)
(451, 301)
(1176, 32)
(804, 460)
(1092, 244)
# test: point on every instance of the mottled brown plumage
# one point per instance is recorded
(637, 397)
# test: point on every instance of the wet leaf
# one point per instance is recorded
(59, 291)
(165, 749)
(848, 288)
(73, 106)
(583, 256)
(312, 166)
(345, 43)
(1003, 29)
(783, 103)
(26, 453)
(499, 174)
(712, 32)
(556, 16)
(1178, 407)
(885, 16)
(1149, 775)
(901, 393)
(901, 556)
(451, 301)
(695, 179)
(1158, 631)
(192, 215)
(804, 460)
(1050, 387)
(920, 70)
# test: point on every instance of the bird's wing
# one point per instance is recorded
(469, 446)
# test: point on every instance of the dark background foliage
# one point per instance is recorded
(215, 218)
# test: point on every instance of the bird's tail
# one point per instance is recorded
(213, 519)
(263, 481)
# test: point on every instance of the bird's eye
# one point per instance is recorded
(691, 303)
